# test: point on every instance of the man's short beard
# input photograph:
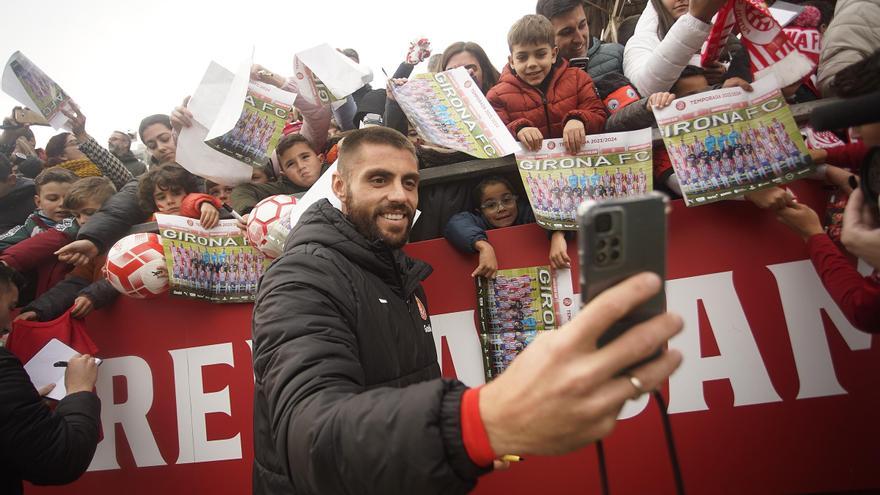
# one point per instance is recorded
(366, 224)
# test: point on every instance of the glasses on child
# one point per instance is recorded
(492, 205)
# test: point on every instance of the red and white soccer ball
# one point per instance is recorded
(136, 266)
(269, 224)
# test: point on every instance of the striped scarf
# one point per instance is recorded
(770, 49)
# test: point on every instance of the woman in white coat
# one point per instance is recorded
(668, 36)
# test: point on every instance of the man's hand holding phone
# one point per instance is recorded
(563, 392)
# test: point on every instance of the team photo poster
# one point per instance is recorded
(449, 110)
(514, 308)
(216, 265)
(260, 127)
(727, 142)
(611, 165)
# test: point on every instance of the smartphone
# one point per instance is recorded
(619, 238)
(579, 62)
(26, 116)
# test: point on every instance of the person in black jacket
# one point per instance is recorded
(37, 444)
(16, 196)
(348, 396)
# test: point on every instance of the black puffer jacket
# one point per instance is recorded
(348, 396)
(115, 218)
(17, 204)
(37, 444)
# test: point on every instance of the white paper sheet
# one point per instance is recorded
(31, 87)
(206, 106)
(42, 371)
(230, 109)
(785, 12)
(341, 75)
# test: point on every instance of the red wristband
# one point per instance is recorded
(473, 432)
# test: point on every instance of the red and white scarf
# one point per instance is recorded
(770, 50)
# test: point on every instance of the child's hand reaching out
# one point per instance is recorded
(210, 215)
(488, 263)
(559, 251)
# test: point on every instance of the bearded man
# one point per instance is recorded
(348, 396)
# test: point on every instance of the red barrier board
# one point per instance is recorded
(776, 393)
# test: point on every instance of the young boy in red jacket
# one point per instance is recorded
(539, 96)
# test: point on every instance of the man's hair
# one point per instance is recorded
(5, 167)
(10, 278)
(370, 135)
(124, 134)
(169, 176)
(691, 70)
(858, 79)
(554, 8)
(531, 30)
(352, 54)
(490, 73)
(54, 174)
(289, 141)
(477, 193)
(55, 148)
(159, 118)
(30, 167)
(89, 188)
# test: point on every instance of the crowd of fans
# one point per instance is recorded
(63, 205)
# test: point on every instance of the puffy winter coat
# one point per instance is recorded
(37, 444)
(37, 255)
(604, 58)
(851, 36)
(466, 228)
(654, 65)
(570, 95)
(347, 395)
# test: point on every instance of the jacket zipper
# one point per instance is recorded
(546, 112)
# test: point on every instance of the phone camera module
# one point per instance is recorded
(603, 223)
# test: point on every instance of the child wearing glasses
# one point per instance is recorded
(496, 206)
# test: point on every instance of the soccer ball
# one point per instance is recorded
(269, 224)
(136, 266)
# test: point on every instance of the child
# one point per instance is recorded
(857, 297)
(219, 191)
(495, 206)
(539, 96)
(172, 190)
(52, 185)
(301, 166)
(85, 288)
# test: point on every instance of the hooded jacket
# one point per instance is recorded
(570, 95)
(347, 395)
(17, 204)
